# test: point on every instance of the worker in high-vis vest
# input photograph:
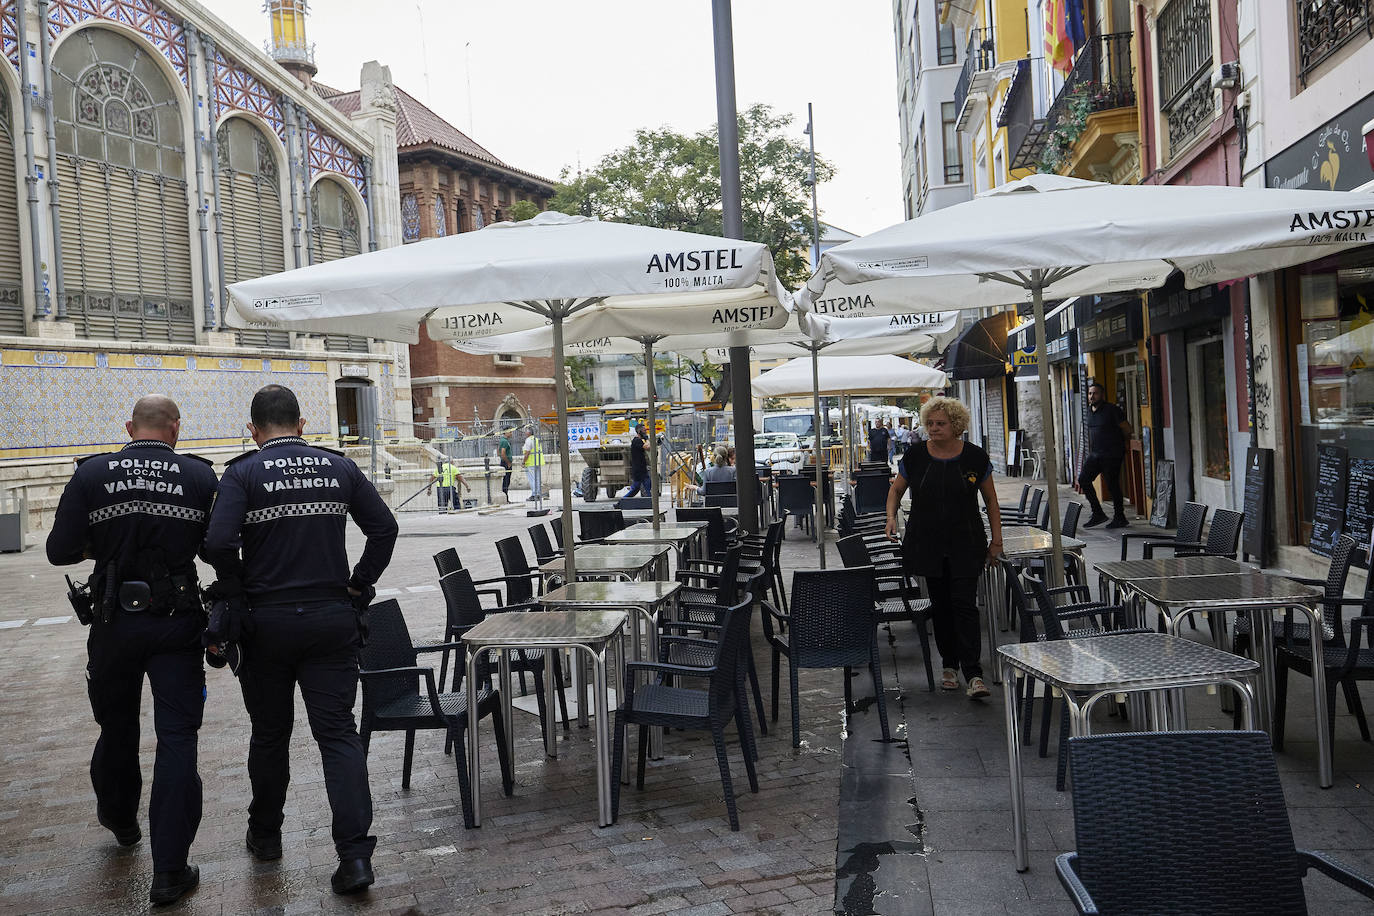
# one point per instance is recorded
(447, 477)
(534, 464)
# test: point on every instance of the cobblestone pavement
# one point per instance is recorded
(538, 852)
(846, 823)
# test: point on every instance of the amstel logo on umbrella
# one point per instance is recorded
(700, 267)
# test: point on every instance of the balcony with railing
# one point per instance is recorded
(1325, 28)
(979, 62)
(1095, 105)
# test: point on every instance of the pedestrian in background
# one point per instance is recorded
(141, 513)
(503, 456)
(944, 540)
(276, 540)
(533, 450)
(1108, 433)
(878, 440)
(640, 481)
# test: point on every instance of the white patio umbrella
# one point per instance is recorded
(880, 375)
(631, 280)
(1049, 236)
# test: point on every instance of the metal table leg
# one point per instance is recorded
(474, 748)
(507, 701)
(603, 734)
(1018, 790)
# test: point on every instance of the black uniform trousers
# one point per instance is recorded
(168, 651)
(314, 644)
(1109, 466)
(954, 616)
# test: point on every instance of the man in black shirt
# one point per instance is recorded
(1108, 433)
(140, 513)
(276, 540)
(878, 440)
(640, 481)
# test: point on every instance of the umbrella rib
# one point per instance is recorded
(1003, 278)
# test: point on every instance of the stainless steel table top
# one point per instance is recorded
(612, 593)
(1131, 661)
(1033, 545)
(590, 565)
(627, 552)
(546, 628)
(1172, 567)
(647, 534)
(1242, 588)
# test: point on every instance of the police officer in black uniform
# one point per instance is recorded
(276, 540)
(141, 513)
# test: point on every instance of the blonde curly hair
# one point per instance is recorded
(952, 408)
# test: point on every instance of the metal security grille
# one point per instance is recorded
(334, 234)
(126, 235)
(11, 259)
(1325, 27)
(1185, 69)
(251, 208)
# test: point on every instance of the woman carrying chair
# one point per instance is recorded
(944, 540)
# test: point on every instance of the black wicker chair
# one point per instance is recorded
(1072, 513)
(832, 624)
(672, 706)
(556, 525)
(705, 621)
(717, 534)
(393, 700)
(870, 491)
(1345, 665)
(1020, 507)
(522, 581)
(765, 552)
(463, 605)
(1198, 826)
(797, 498)
(1030, 515)
(895, 598)
(1189, 530)
(544, 551)
(712, 582)
(446, 561)
(1223, 538)
(1041, 620)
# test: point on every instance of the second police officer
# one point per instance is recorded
(140, 513)
(276, 540)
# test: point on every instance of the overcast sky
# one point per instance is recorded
(554, 81)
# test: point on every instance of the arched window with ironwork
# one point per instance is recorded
(254, 241)
(410, 218)
(126, 233)
(11, 259)
(334, 234)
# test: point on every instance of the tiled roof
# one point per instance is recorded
(417, 125)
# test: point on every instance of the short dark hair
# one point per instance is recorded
(275, 405)
(1092, 385)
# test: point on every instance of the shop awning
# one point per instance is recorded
(980, 350)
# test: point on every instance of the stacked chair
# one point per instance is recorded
(894, 595)
(1189, 530)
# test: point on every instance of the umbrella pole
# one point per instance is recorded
(560, 394)
(653, 429)
(1056, 571)
(818, 523)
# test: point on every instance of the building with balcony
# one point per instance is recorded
(1303, 108)
(935, 164)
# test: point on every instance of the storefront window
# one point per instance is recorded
(1333, 366)
(1336, 361)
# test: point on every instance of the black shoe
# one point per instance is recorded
(263, 848)
(169, 886)
(124, 835)
(1120, 521)
(352, 876)
(1097, 519)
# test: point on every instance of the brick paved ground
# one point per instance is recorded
(917, 826)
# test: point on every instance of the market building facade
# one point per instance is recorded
(153, 157)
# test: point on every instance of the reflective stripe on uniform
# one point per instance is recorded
(144, 507)
(293, 510)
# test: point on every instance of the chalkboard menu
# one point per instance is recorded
(1328, 515)
(1359, 502)
(1259, 505)
(1161, 514)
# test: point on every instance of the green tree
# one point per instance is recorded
(522, 210)
(579, 372)
(672, 181)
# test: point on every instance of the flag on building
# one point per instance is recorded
(1059, 39)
